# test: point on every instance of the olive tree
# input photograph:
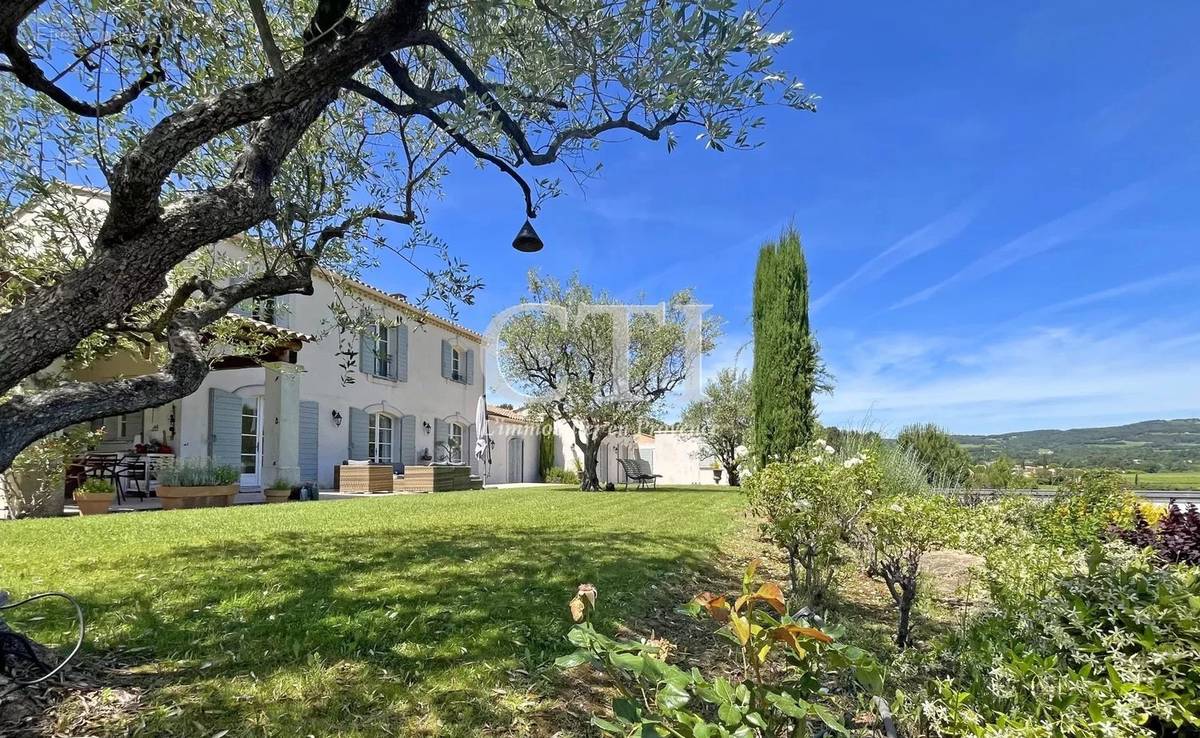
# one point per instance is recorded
(317, 128)
(562, 357)
(721, 420)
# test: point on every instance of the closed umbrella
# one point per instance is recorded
(483, 442)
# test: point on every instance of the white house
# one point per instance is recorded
(410, 398)
(516, 447)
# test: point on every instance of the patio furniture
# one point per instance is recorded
(639, 471)
(140, 472)
(363, 478)
(436, 478)
(103, 466)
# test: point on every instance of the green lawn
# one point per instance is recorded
(396, 616)
(1165, 480)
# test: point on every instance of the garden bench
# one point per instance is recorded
(639, 471)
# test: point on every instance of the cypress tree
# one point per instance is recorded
(546, 448)
(786, 364)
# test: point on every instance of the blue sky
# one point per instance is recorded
(997, 201)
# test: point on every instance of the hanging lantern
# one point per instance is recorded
(527, 239)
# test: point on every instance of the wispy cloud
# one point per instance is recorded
(1031, 243)
(1136, 287)
(924, 239)
(1042, 378)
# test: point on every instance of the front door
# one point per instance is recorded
(516, 460)
(251, 442)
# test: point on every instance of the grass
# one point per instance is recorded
(423, 615)
(1165, 480)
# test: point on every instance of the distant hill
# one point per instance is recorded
(1152, 445)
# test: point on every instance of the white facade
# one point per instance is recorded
(515, 450)
(415, 406)
(678, 459)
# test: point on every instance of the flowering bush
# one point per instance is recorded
(1112, 652)
(1174, 538)
(779, 687)
(1086, 506)
(809, 505)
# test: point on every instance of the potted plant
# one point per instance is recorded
(33, 486)
(716, 470)
(94, 496)
(279, 491)
(196, 483)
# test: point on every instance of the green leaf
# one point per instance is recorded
(789, 705)
(870, 677)
(671, 697)
(626, 709)
(828, 718)
(729, 713)
(571, 660)
(756, 720)
(607, 726)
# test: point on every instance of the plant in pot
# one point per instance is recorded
(196, 483)
(279, 491)
(33, 486)
(716, 470)
(94, 497)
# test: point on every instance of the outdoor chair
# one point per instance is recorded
(105, 467)
(639, 471)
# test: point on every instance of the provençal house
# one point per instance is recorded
(417, 381)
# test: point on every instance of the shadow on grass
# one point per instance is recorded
(368, 634)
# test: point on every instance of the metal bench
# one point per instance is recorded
(638, 470)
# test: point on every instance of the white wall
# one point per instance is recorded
(503, 431)
(677, 457)
(426, 394)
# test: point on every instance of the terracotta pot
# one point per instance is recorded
(177, 498)
(93, 503)
(277, 495)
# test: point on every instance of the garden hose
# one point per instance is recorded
(17, 683)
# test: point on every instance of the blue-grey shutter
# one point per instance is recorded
(441, 440)
(309, 415)
(366, 351)
(393, 364)
(133, 425)
(469, 452)
(224, 427)
(408, 439)
(400, 364)
(358, 434)
(446, 359)
(470, 374)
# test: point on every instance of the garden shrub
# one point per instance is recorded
(1086, 506)
(781, 683)
(1174, 538)
(809, 505)
(197, 473)
(555, 475)
(905, 521)
(1113, 651)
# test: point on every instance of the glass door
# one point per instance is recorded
(251, 441)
